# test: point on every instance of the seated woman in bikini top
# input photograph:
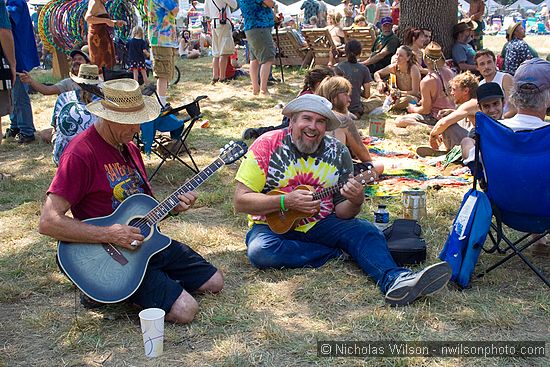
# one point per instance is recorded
(406, 87)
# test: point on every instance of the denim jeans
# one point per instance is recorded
(326, 240)
(21, 116)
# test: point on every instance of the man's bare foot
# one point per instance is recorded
(265, 94)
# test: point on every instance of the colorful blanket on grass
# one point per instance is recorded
(403, 170)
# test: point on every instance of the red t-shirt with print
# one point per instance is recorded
(95, 177)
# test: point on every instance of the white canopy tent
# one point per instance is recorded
(492, 6)
(522, 4)
(464, 5)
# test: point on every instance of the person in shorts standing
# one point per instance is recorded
(258, 21)
(219, 13)
(163, 38)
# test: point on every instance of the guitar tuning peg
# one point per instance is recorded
(226, 146)
(231, 142)
(221, 150)
(372, 178)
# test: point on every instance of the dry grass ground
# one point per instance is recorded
(261, 318)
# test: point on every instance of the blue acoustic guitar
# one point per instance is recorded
(109, 273)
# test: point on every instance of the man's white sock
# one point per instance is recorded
(162, 100)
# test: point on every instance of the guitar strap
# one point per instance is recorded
(126, 154)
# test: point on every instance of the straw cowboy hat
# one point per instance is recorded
(511, 29)
(433, 53)
(124, 104)
(87, 74)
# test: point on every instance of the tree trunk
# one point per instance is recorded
(436, 15)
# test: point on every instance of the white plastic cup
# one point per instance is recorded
(152, 328)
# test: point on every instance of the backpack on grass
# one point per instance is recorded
(405, 242)
(467, 236)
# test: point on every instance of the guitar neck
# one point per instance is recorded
(164, 207)
(363, 178)
(328, 191)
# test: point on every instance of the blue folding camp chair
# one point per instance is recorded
(516, 179)
(153, 142)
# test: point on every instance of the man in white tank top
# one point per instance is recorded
(486, 65)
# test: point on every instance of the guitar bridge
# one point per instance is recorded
(115, 253)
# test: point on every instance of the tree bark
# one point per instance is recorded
(437, 15)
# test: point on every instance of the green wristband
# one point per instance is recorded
(283, 204)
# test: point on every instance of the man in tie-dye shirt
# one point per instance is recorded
(163, 38)
(303, 155)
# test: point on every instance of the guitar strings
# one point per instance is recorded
(171, 201)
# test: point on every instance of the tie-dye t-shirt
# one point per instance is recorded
(273, 162)
(162, 23)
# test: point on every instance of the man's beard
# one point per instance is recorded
(306, 147)
(488, 73)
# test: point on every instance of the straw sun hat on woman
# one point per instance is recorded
(123, 103)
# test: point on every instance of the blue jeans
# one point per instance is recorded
(326, 240)
(21, 116)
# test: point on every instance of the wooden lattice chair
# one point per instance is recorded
(320, 43)
(291, 51)
(365, 35)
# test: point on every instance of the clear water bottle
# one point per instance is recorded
(381, 217)
(387, 104)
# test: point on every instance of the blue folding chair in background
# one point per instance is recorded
(152, 140)
(516, 179)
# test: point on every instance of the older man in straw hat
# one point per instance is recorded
(303, 154)
(98, 170)
(434, 90)
(517, 50)
(463, 53)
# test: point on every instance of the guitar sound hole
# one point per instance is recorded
(144, 228)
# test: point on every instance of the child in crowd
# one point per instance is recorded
(185, 43)
(233, 70)
(137, 52)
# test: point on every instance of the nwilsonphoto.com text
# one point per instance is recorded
(390, 348)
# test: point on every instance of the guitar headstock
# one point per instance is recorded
(232, 151)
(365, 177)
